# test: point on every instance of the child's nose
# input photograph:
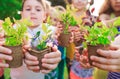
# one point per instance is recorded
(33, 11)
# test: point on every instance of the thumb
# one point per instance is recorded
(54, 48)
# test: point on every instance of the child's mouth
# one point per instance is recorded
(33, 18)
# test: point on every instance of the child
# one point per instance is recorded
(35, 11)
(76, 70)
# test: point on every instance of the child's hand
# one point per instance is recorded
(71, 30)
(83, 58)
(110, 61)
(50, 61)
(4, 55)
(31, 62)
(4, 52)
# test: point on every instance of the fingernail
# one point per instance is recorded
(99, 50)
(10, 58)
(91, 57)
(9, 51)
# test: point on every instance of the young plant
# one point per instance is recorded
(100, 34)
(43, 37)
(14, 34)
(68, 19)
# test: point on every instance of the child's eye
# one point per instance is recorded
(28, 9)
(38, 9)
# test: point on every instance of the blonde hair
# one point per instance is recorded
(43, 2)
(60, 8)
(48, 4)
(56, 11)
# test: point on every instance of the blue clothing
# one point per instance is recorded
(113, 75)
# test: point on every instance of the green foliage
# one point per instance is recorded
(14, 35)
(68, 19)
(100, 34)
(10, 8)
(42, 42)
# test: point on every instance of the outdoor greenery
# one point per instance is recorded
(10, 8)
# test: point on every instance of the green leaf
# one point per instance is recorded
(38, 34)
(44, 28)
(14, 34)
(100, 34)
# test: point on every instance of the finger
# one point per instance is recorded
(55, 48)
(70, 29)
(5, 50)
(49, 66)
(112, 68)
(26, 47)
(85, 52)
(5, 57)
(71, 38)
(53, 55)
(1, 35)
(109, 53)
(105, 60)
(114, 47)
(87, 65)
(45, 71)
(31, 63)
(34, 68)
(83, 59)
(24, 51)
(2, 42)
(4, 65)
(30, 57)
(51, 61)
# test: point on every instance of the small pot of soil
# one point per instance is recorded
(17, 55)
(64, 39)
(40, 54)
(92, 50)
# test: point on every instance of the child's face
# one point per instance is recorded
(115, 5)
(33, 10)
(79, 4)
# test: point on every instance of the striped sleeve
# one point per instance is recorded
(114, 75)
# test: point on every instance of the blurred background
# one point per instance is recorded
(11, 8)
